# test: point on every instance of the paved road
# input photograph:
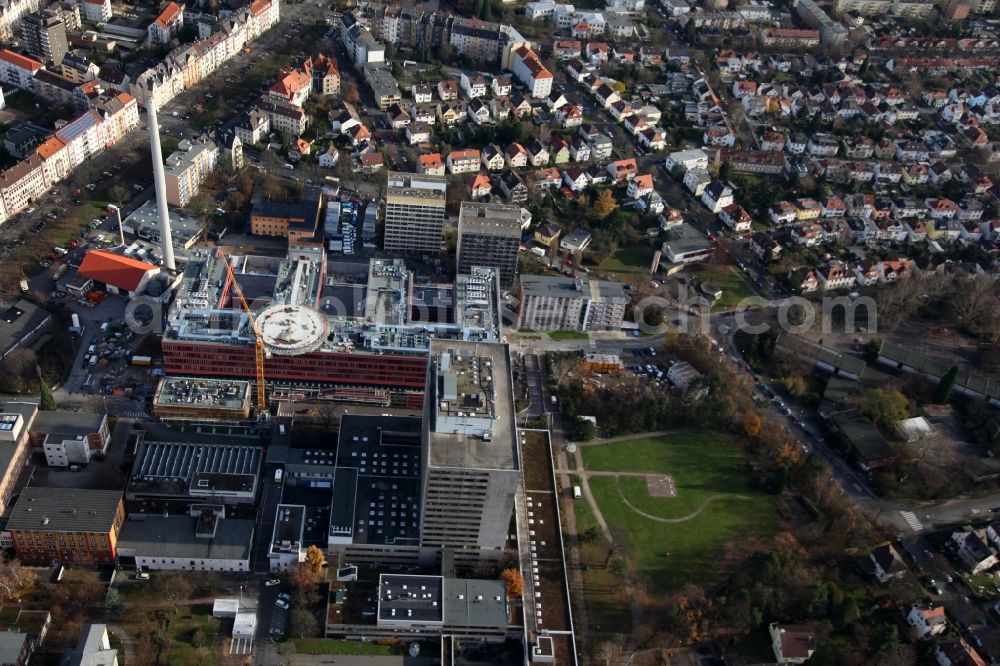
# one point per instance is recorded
(128, 644)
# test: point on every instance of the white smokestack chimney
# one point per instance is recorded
(159, 180)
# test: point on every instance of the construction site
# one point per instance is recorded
(308, 326)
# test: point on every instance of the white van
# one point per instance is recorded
(278, 474)
(577, 493)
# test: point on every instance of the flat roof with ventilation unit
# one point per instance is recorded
(404, 599)
(289, 525)
(376, 490)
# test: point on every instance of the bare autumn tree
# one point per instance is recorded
(174, 587)
(15, 580)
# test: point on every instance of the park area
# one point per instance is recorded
(680, 506)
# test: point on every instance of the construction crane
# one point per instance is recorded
(260, 352)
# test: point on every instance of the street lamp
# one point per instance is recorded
(121, 230)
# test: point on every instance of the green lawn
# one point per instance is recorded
(584, 516)
(703, 465)
(633, 259)
(568, 335)
(734, 288)
(182, 647)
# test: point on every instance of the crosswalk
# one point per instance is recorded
(912, 520)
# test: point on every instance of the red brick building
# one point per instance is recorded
(66, 525)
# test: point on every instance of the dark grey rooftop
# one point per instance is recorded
(404, 598)
(18, 322)
(288, 526)
(65, 510)
(71, 424)
(377, 480)
(475, 603)
(174, 537)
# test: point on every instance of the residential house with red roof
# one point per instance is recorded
(927, 621)
(325, 75)
(292, 87)
(479, 186)
(640, 186)
(166, 25)
(622, 170)
(431, 164)
(463, 161)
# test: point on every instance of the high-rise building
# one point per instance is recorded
(45, 35)
(489, 235)
(414, 212)
(470, 456)
(186, 168)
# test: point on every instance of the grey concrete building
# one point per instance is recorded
(45, 35)
(414, 212)
(201, 541)
(21, 325)
(489, 235)
(550, 303)
(471, 461)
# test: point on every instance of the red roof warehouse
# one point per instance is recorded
(120, 274)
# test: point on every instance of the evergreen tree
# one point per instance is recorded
(47, 402)
(942, 393)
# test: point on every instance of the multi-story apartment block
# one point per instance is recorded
(166, 25)
(66, 525)
(188, 64)
(552, 303)
(489, 235)
(289, 120)
(74, 143)
(383, 86)
(475, 39)
(97, 11)
(360, 44)
(120, 115)
(414, 212)
(44, 35)
(253, 127)
(325, 75)
(830, 31)
(17, 70)
(531, 72)
(186, 168)
(77, 69)
(469, 447)
(85, 137)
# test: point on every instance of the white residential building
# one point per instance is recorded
(531, 72)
